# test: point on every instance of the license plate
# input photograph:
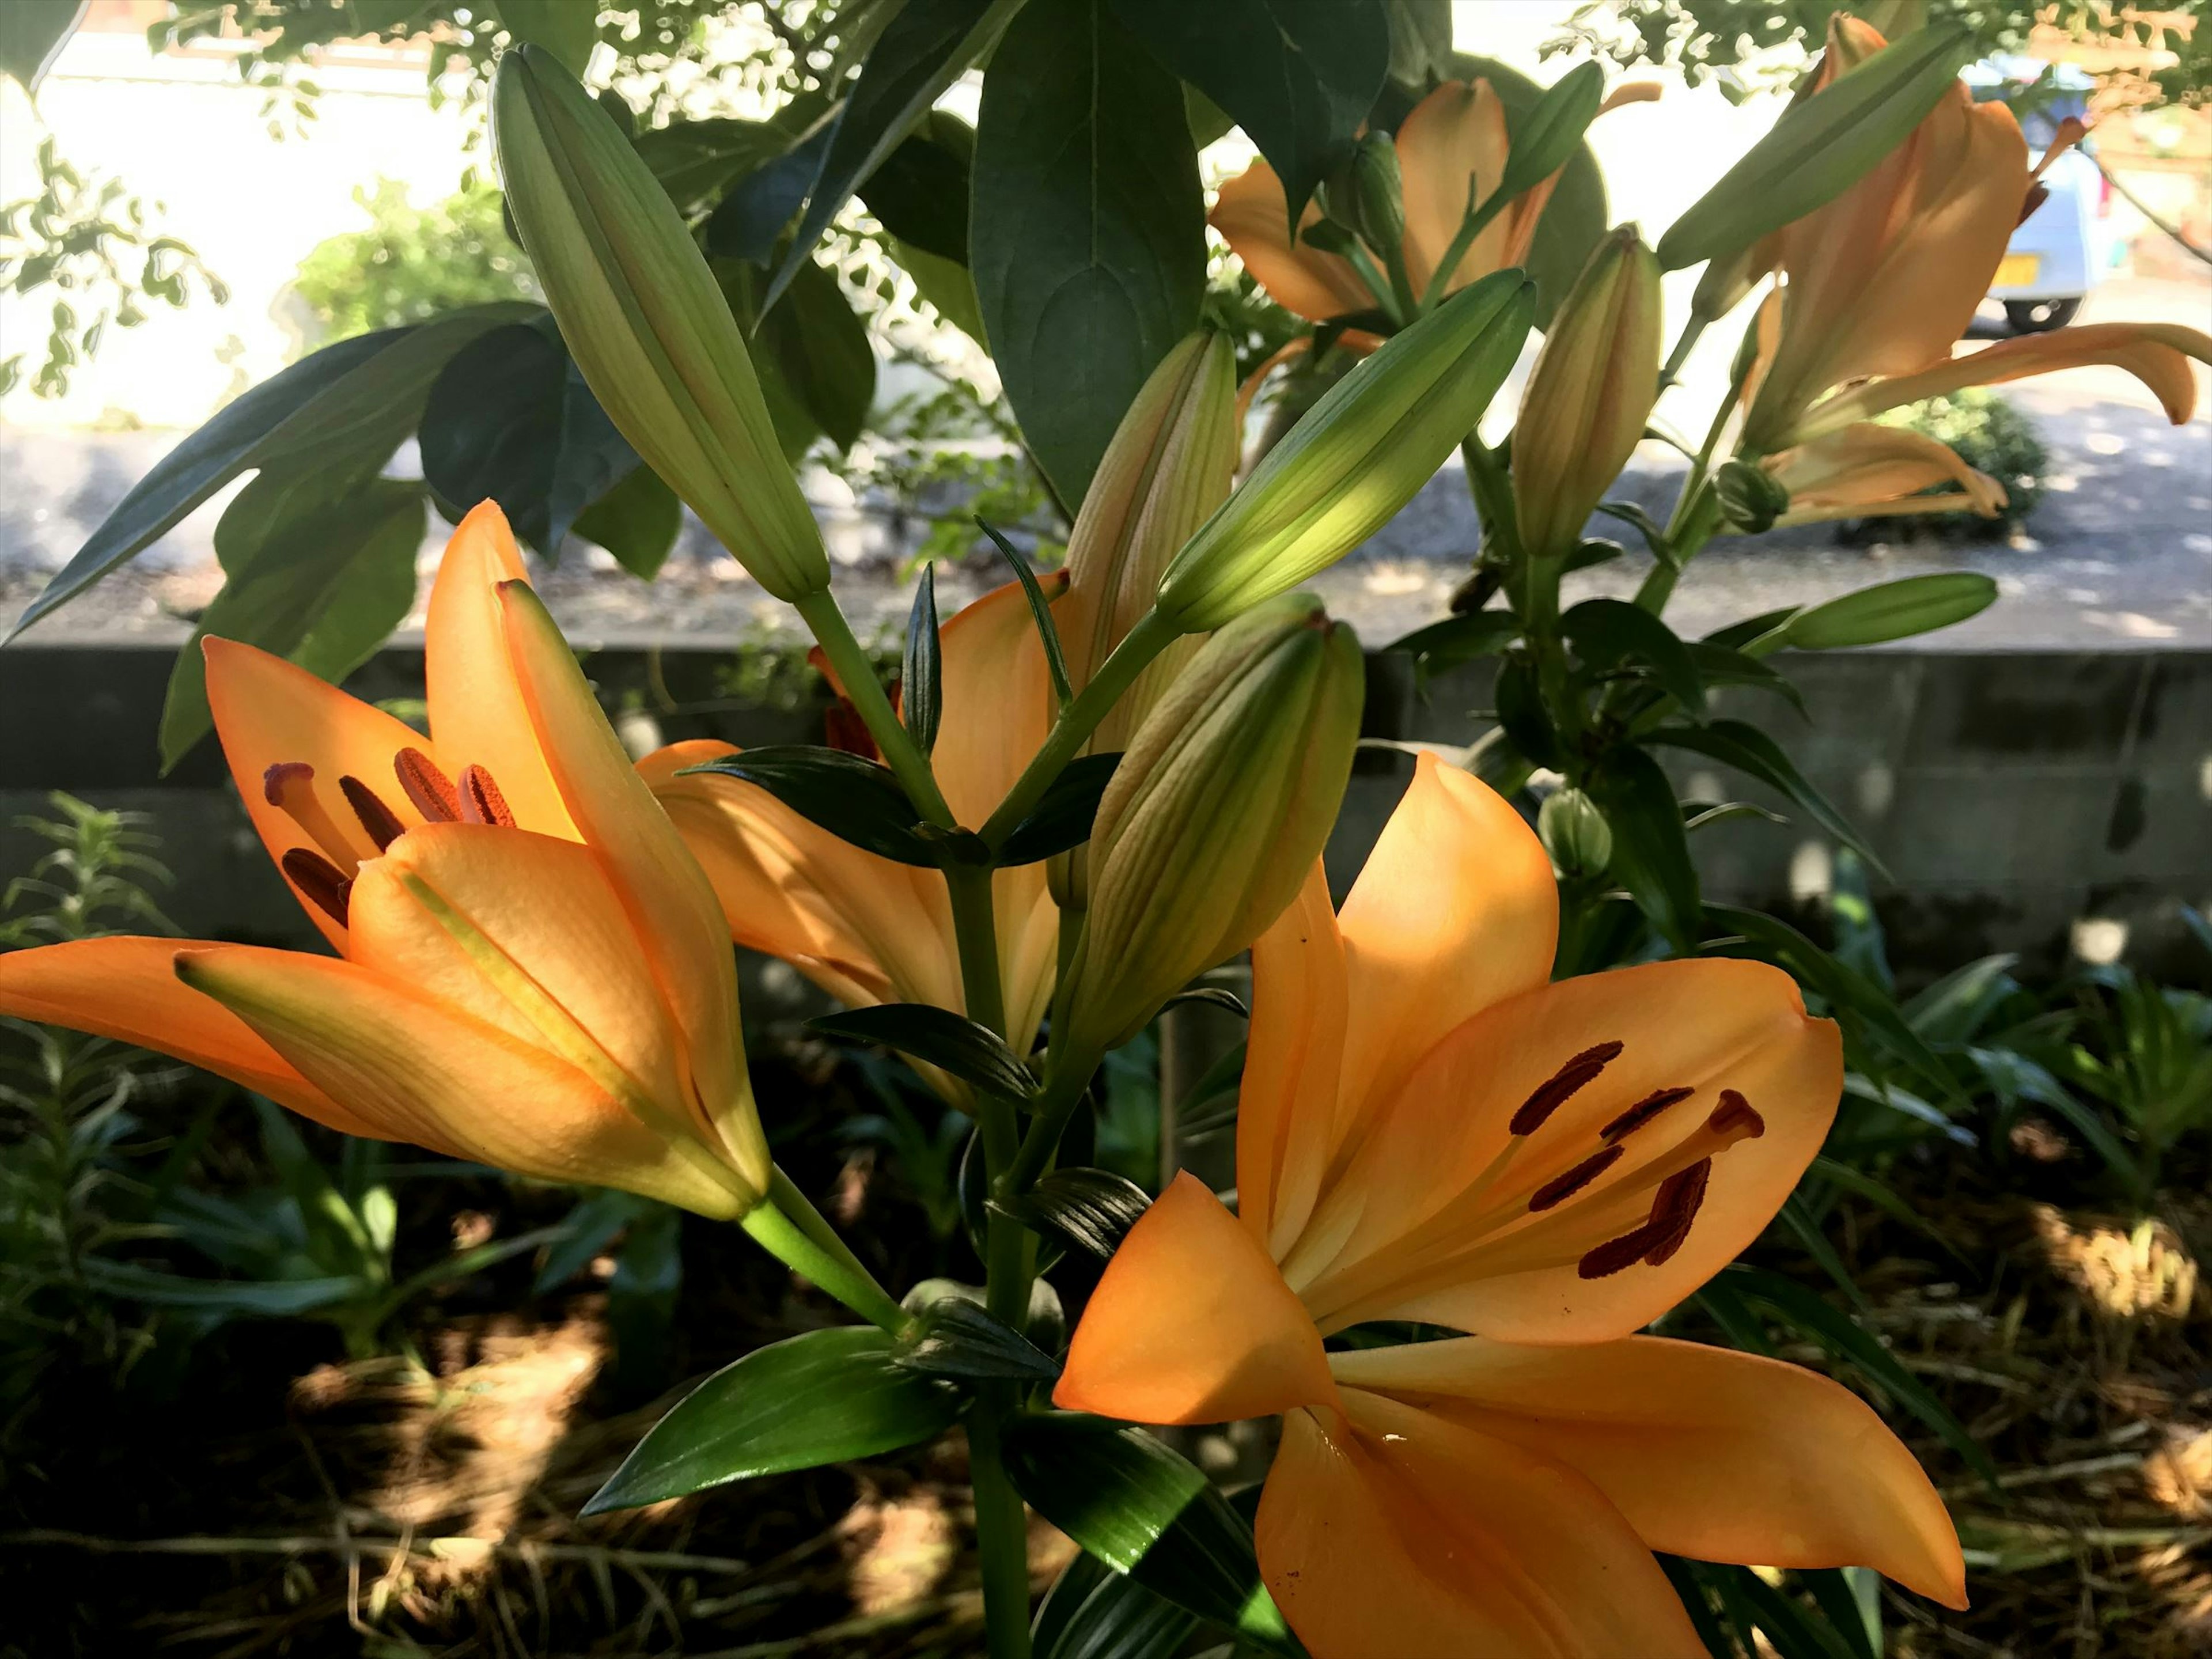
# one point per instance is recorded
(2018, 270)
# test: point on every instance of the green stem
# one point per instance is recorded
(1471, 225)
(1002, 1531)
(866, 693)
(1385, 292)
(792, 1231)
(1492, 490)
(1151, 636)
(1063, 1093)
(1695, 517)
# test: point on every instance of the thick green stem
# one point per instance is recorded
(1151, 636)
(1002, 1531)
(791, 1229)
(1471, 225)
(866, 693)
(1063, 1093)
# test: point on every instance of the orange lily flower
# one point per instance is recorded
(1866, 471)
(529, 972)
(1878, 285)
(1431, 1130)
(866, 928)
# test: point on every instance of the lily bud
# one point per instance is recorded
(1575, 833)
(1219, 807)
(1367, 195)
(645, 321)
(1166, 470)
(1588, 395)
(1751, 497)
(1357, 457)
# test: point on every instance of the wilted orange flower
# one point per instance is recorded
(529, 969)
(1431, 1130)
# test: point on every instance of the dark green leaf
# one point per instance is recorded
(1759, 629)
(1832, 1592)
(955, 1337)
(595, 1222)
(937, 1036)
(924, 49)
(853, 799)
(1683, 1576)
(824, 1397)
(748, 221)
(1722, 664)
(1212, 996)
(1056, 660)
(637, 521)
(1093, 1612)
(1298, 76)
(1456, 640)
(1955, 1008)
(920, 194)
(1548, 134)
(562, 27)
(1891, 611)
(1860, 1184)
(1144, 1512)
(641, 1299)
(1651, 849)
(920, 687)
(1088, 243)
(817, 368)
(1607, 632)
(347, 407)
(694, 161)
(1744, 746)
(2014, 1078)
(1793, 1632)
(1800, 1221)
(281, 1298)
(1064, 814)
(1521, 711)
(1093, 1209)
(1842, 1338)
(32, 35)
(312, 572)
(510, 420)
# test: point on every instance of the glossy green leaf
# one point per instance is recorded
(1056, 659)
(920, 689)
(1521, 711)
(1298, 76)
(1147, 1511)
(1548, 133)
(1723, 665)
(748, 221)
(32, 35)
(1093, 1612)
(637, 521)
(566, 28)
(1744, 746)
(1088, 243)
(937, 1036)
(1610, 634)
(346, 407)
(696, 162)
(811, 351)
(1093, 1209)
(1789, 1630)
(955, 1337)
(924, 49)
(1891, 611)
(1820, 147)
(920, 193)
(853, 797)
(823, 1397)
(313, 571)
(1446, 644)
(1064, 814)
(1651, 849)
(510, 420)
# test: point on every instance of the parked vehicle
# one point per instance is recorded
(2060, 251)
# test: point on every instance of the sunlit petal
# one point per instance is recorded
(1868, 465)
(1287, 1112)
(1451, 154)
(1253, 216)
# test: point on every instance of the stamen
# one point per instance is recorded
(290, 787)
(481, 801)
(319, 881)
(431, 790)
(1642, 1112)
(1619, 1254)
(1554, 1093)
(1560, 1188)
(1736, 1118)
(1679, 1198)
(383, 824)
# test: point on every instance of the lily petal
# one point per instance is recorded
(427, 1073)
(1451, 154)
(2157, 354)
(126, 988)
(1543, 1134)
(269, 712)
(1868, 465)
(864, 928)
(1286, 1115)
(1397, 1533)
(670, 904)
(1714, 1455)
(478, 717)
(1192, 1324)
(1253, 217)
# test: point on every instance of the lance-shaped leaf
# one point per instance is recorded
(824, 1397)
(1546, 135)
(920, 692)
(1609, 633)
(937, 1036)
(1064, 814)
(1651, 849)
(1889, 611)
(1093, 1209)
(853, 797)
(954, 1336)
(1744, 746)
(1093, 1612)
(1820, 147)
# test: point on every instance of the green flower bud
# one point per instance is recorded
(645, 321)
(1575, 833)
(1588, 396)
(1751, 497)
(1365, 194)
(1220, 805)
(1357, 456)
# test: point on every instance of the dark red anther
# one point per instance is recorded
(1616, 1255)
(1555, 1091)
(481, 801)
(2037, 195)
(383, 824)
(1736, 1118)
(319, 881)
(1642, 1112)
(431, 790)
(1560, 1188)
